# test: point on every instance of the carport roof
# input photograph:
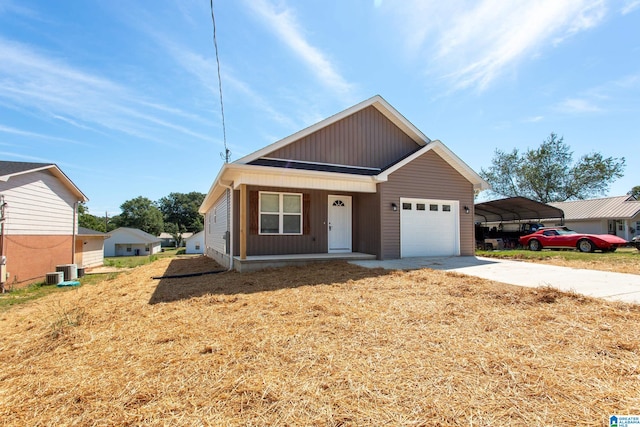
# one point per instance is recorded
(515, 209)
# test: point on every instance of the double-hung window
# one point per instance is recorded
(280, 213)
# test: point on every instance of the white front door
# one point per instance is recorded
(339, 226)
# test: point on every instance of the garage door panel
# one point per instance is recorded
(429, 228)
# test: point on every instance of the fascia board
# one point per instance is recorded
(235, 175)
(296, 178)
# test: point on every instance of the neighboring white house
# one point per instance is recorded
(195, 243)
(618, 215)
(125, 241)
(90, 247)
(38, 220)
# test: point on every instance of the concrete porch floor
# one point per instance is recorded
(260, 262)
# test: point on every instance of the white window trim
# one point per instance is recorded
(280, 213)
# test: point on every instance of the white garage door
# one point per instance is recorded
(429, 227)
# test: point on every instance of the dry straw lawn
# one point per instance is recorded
(326, 345)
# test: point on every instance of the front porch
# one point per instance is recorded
(260, 262)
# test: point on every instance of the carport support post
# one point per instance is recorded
(243, 221)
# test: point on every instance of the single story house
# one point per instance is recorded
(363, 183)
(194, 244)
(619, 215)
(90, 247)
(126, 241)
(167, 240)
(38, 221)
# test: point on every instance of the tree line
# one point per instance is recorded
(549, 173)
(175, 214)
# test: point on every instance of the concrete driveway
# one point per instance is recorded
(600, 284)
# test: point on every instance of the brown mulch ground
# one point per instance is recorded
(325, 345)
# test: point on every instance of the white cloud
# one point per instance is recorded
(471, 43)
(578, 106)
(284, 24)
(534, 119)
(630, 6)
(29, 134)
(36, 81)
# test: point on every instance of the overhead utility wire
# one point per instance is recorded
(227, 153)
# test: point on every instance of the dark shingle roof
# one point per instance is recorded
(9, 168)
(292, 164)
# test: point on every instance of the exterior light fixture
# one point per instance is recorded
(394, 207)
(466, 209)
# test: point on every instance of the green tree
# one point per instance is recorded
(86, 220)
(141, 213)
(548, 173)
(635, 192)
(182, 210)
(175, 231)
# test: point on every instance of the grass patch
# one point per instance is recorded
(624, 260)
(38, 290)
(26, 294)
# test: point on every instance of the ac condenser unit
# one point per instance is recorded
(70, 271)
(55, 278)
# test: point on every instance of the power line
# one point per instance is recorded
(227, 154)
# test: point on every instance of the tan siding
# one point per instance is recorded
(428, 177)
(366, 138)
(92, 252)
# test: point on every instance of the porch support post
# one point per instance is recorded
(243, 221)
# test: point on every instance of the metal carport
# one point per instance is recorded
(516, 209)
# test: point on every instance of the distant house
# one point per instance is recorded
(90, 247)
(39, 221)
(363, 183)
(125, 241)
(194, 244)
(167, 240)
(618, 215)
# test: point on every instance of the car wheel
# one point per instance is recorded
(534, 245)
(585, 245)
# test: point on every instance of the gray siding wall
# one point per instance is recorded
(364, 238)
(366, 138)
(427, 177)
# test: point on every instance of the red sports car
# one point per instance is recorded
(562, 237)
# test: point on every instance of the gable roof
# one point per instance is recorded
(259, 170)
(376, 101)
(618, 207)
(137, 233)
(11, 169)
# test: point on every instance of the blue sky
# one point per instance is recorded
(123, 95)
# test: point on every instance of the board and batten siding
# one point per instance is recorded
(366, 139)
(38, 204)
(427, 177)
